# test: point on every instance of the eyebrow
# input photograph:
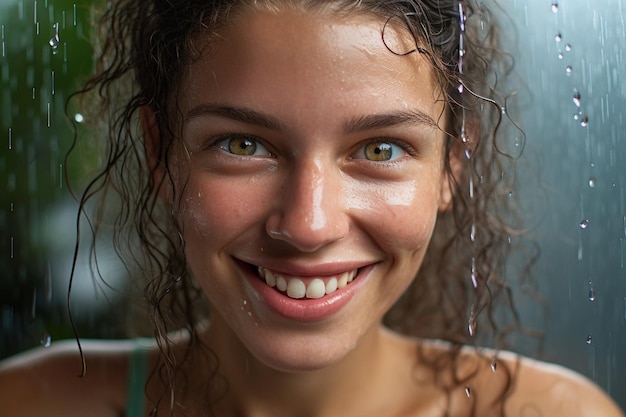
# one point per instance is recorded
(357, 124)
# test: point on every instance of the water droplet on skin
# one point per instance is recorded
(592, 292)
(468, 392)
(592, 182)
(568, 70)
(576, 99)
(494, 365)
(558, 37)
(555, 7)
(584, 224)
(46, 340)
(589, 339)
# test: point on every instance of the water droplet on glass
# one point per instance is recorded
(561, 56)
(592, 182)
(558, 37)
(509, 195)
(584, 121)
(576, 99)
(79, 118)
(584, 224)
(468, 392)
(46, 340)
(461, 88)
(568, 47)
(473, 233)
(592, 292)
(468, 153)
(555, 7)
(589, 339)
(568, 70)
(494, 365)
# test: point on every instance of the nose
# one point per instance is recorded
(310, 211)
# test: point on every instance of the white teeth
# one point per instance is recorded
(316, 289)
(281, 284)
(342, 281)
(296, 287)
(331, 286)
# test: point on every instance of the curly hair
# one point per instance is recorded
(456, 294)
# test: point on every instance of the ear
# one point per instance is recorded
(152, 146)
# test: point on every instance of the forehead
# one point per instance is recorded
(291, 61)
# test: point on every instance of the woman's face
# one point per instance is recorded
(315, 177)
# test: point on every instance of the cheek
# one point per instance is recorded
(402, 213)
(218, 210)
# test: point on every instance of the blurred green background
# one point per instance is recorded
(570, 175)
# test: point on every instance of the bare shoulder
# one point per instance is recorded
(544, 389)
(45, 381)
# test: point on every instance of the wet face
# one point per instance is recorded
(315, 178)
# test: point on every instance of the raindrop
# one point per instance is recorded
(46, 340)
(568, 47)
(558, 37)
(471, 323)
(589, 339)
(561, 56)
(474, 280)
(494, 364)
(461, 88)
(509, 195)
(592, 182)
(79, 118)
(584, 121)
(576, 98)
(468, 392)
(468, 153)
(10, 138)
(592, 292)
(473, 233)
(569, 69)
(55, 41)
(584, 224)
(555, 7)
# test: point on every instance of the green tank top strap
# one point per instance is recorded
(137, 376)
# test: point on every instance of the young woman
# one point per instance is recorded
(325, 177)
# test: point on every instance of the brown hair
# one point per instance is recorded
(147, 44)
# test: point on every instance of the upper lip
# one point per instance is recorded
(309, 269)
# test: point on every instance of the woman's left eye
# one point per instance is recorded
(379, 151)
(242, 145)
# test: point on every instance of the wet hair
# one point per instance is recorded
(144, 48)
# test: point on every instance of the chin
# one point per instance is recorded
(304, 354)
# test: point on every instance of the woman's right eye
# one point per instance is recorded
(242, 145)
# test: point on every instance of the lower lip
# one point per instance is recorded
(307, 309)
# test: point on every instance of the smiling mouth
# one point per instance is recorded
(306, 287)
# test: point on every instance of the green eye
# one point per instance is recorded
(243, 146)
(381, 151)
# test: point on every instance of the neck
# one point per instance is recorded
(257, 390)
